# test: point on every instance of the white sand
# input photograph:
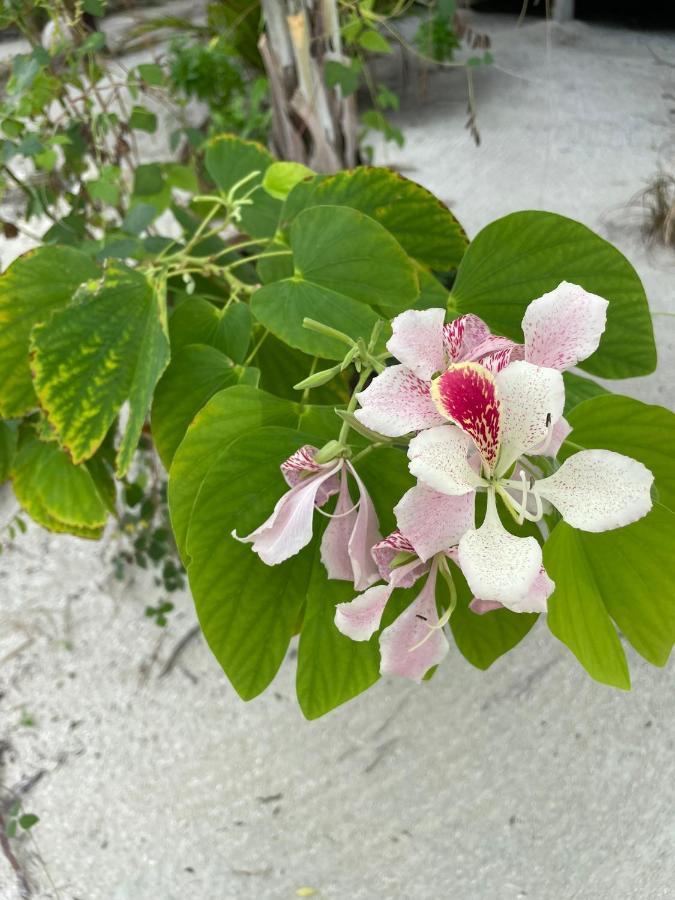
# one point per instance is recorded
(528, 781)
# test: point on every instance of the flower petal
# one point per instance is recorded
(498, 566)
(564, 326)
(432, 521)
(461, 336)
(365, 535)
(397, 641)
(360, 619)
(596, 490)
(495, 353)
(438, 457)
(551, 445)
(532, 400)
(301, 463)
(396, 402)
(335, 541)
(386, 551)
(289, 528)
(534, 602)
(417, 341)
(466, 394)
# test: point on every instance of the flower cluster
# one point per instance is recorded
(481, 415)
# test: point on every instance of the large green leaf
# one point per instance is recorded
(196, 321)
(483, 639)
(523, 255)
(331, 667)
(281, 367)
(422, 224)
(576, 613)
(92, 357)
(344, 264)
(30, 290)
(228, 415)
(625, 573)
(58, 495)
(248, 611)
(193, 376)
(228, 160)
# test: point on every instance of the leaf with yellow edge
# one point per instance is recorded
(55, 493)
(91, 358)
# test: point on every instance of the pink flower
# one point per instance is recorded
(352, 530)
(503, 418)
(561, 328)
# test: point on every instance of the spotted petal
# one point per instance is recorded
(498, 566)
(466, 394)
(360, 619)
(536, 600)
(385, 552)
(398, 640)
(461, 336)
(564, 326)
(532, 400)
(438, 457)
(434, 522)
(397, 402)
(365, 535)
(417, 341)
(301, 464)
(596, 490)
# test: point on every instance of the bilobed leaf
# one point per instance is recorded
(228, 415)
(55, 493)
(281, 177)
(345, 263)
(91, 358)
(196, 321)
(332, 668)
(228, 160)
(192, 377)
(422, 224)
(483, 639)
(248, 611)
(33, 287)
(578, 389)
(523, 255)
(577, 615)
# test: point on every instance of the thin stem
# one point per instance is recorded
(363, 377)
(247, 259)
(257, 347)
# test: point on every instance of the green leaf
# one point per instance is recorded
(151, 74)
(282, 306)
(483, 639)
(192, 377)
(332, 668)
(342, 260)
(55, 493)
(576, 613)
(91, 358)
(8, 440)
(94, 7)
(33, 287)
(578, 389)
(281, 367)
(523, 255)
(143, 120)
(422, 224)
(228, 415)
(632, 566)
(228, 160)
(28, 820)
(247, 610)
(281, 177)
(196, 321)
(347, 77)
(138, 218)
(148, 180)
(374, 42)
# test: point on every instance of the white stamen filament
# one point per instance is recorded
(339, 515)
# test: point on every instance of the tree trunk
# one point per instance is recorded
(312, 123)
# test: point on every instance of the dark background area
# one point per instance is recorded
(645, 14)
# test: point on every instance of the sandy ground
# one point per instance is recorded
(528, 781)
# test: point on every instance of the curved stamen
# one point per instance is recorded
(338, 515)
